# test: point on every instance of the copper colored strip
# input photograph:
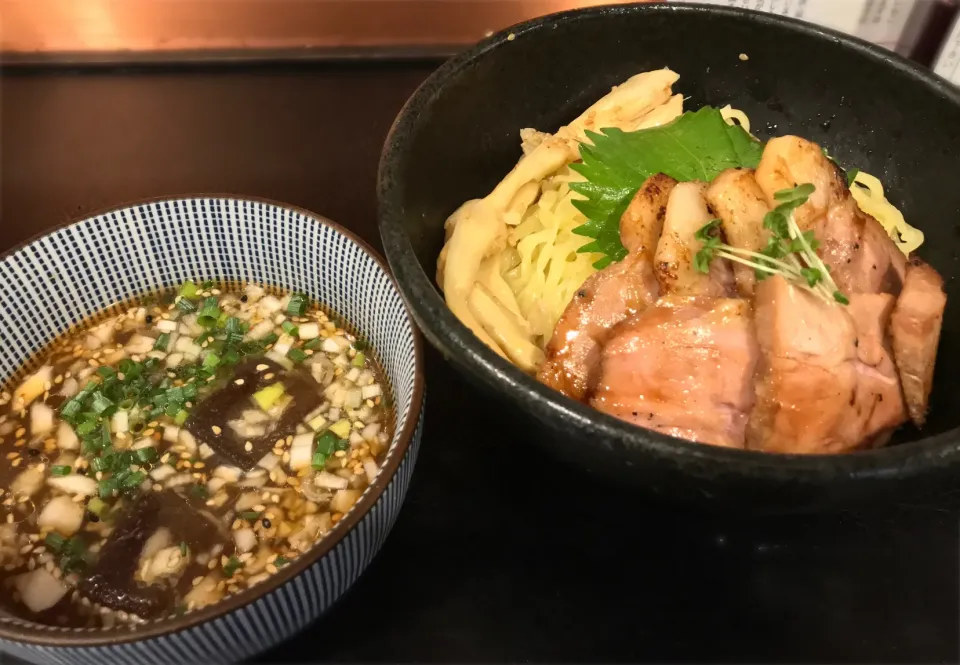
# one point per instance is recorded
(154, 26)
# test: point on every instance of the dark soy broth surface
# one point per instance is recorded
(180, 451)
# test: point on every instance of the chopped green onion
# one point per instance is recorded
(327, 443)
(86, 427)
(233, 326)
(233, 564)
(189, 289)
(210, 312)
(289, 328)
(61, 470)
(267, 397)
(97, 506)
(108, 486)
(163, 341)
(297, 305)
(189, 391)
(106, 372)
(134, 480)
(211, 360)
(70, 409)
(181, 417)
(314, 343)
(281, 561)
(358, 359)
(101, 404)
(343, 444)
(250, 515)
(183, 548)
(199, 491)
(186, 306)
(146, 455)
(360, 345)
(269, 339)
(230, 357)
(319, 461)
(54, 542)
(296, 355)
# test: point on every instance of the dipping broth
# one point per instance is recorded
(180, 451)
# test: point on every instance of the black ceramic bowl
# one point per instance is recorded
(457, 137)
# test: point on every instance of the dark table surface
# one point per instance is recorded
(499, 554)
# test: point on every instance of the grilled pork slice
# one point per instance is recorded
(735, 197)
(915, 329)
(817, 392)
(674, 261)
(606, 298)
(683, 367)
(854, 246)
(642, 221)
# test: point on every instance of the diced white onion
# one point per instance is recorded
(140, 344)
(329, 481)
(352, 375)
(214, 485)
(74, 484)
(145, 442)
(27, 483)
(353, 399)
(369, 392)
(167, 325)
(163, 472)
(253, 293)
(245, 539)
(70, 387)
(120, 422)
(344, 499)
(301, 451)
(174, 359)
(371, 469)
(261, 330)
(355, 438)
(62, 514)
(178, 480)
(67, 438)
(280, 359)
(187, 440)
(308, 330)
(171, 433)
(269, 461)
(41, 419)
(229, 473)
(334, 414)
(268, 305)
(205, 451)
(39, 590)
(330, 345)
(284, 344)
(370, 431)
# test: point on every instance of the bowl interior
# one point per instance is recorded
(79, 270)
(459, 135)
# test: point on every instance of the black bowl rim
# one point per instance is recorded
(455, 340)
(33, 633)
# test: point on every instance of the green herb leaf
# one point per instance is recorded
(840, 298)
(696, 146)
(851, 176)
(60, 470)
(296, 355)
(812, 275)
(298, 304)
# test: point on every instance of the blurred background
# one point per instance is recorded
(125, 30)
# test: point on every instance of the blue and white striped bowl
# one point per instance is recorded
(58, 280)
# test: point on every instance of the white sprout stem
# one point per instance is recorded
(809, 255)
(746, 252)
(731, 257)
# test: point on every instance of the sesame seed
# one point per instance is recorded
(248, 446)
(238, 382)
(20, 432)
(261, 367)
(216, 430)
